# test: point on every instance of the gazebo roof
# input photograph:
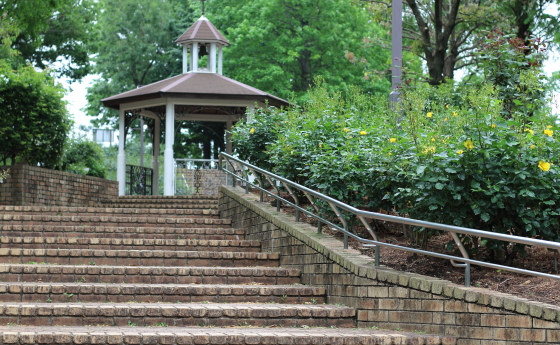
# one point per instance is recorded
(202, 30)
(195, 85)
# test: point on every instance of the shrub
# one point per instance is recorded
(448, 154)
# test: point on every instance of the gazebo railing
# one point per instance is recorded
(189, 174)
(138, 180)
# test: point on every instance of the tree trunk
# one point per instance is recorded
(304, 62)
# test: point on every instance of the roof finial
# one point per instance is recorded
(203, 12)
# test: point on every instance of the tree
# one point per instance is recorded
(43, 32)
(279, 46)
(65, 36)
(135, 47)
(446, 33)
(34, 122)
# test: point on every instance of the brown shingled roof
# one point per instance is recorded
(194, 85)
(202, 30)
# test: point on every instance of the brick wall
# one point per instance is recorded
(387, 298)
(210, 180)
(28, 185)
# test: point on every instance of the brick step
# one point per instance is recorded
(160, 199)
(137, 257)
(159, 221)
(169, 206)
(148, 274)
(213, 336)
(121, 232)
(36, 212)
(124, 244)
(157, 293)
(178, 314)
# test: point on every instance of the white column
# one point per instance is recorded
(155, 158)
(229, 146)
(250, 113)
(220, 56)
(185, 59)
(121, 157)
(212, 57)
(168, 161)
(194, 54)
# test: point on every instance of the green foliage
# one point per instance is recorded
(513, 66)
(136, 47)
(452, 158)
(65, 35)
(83, 156)
(473, 168)
(44, 32)
(4, 174)
(33, 119)
(253, 134)
(280, 46)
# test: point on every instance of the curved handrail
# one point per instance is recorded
(244, 168)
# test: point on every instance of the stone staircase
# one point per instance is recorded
(158, 270)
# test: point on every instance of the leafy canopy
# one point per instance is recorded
(34, 122)
(280, 46)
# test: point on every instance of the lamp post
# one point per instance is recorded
(396, 60)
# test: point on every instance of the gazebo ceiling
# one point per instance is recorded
(197, 86)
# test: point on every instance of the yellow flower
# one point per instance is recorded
(393, 140)
(532, 146)
(252, 130)
(363, 132)
(469, 144)
(430, 114)
(530, 131)
(447, 106)
(493, 126)
(548, 132)
(455, 113)
(433, 139)
(390, 154)
(544, 166)
(320, 145)
(460, 152)
(346, 130)
(429, 149)
(548, 126)
(445, 119)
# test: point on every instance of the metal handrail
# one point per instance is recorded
(240, 170)
(191, 163)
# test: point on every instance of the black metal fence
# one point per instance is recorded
(138, 180)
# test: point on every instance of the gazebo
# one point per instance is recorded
(198, 94)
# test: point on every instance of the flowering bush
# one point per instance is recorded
(452, 158)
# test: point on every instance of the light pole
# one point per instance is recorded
(396, 60)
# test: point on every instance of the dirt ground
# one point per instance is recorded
(544, 290)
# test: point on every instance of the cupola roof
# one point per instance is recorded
(202, 31)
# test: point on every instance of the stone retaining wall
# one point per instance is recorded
(28, 185)
(386, 298)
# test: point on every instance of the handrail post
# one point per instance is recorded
(377, 256)
(467, 274)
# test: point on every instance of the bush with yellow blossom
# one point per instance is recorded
(463, 164)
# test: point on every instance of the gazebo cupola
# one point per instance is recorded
(202, 39)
